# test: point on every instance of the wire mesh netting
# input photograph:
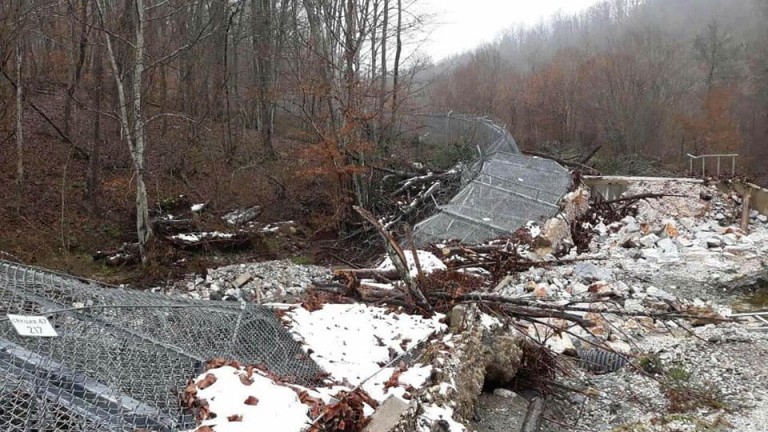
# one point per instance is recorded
(122, 357)
(503, 189)
(478, 132)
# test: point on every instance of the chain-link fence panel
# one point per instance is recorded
(503, 189)
(122, 358)
(479, 134)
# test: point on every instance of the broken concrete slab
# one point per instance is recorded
(387, 415)
(242, 280)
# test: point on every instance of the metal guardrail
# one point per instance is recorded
(703, 158)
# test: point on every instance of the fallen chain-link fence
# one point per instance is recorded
(121, 358)
(502, 189)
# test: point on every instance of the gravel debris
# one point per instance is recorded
(263, 282)
(678, 254)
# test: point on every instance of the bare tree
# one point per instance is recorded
(92, 176)
(398, 53)
(128, 82)
(19, 118)
(269, 18)
(79, 45)
(383, 76)
(717, 51)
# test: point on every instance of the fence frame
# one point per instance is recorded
(704, 157)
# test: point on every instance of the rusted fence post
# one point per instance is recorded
(745, 212)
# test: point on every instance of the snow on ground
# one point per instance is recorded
(195, 237)
(353, 341)
(414, 377)
(349, 341)
(433, 414)
(260, 405)
(428, 262)
(275, 226)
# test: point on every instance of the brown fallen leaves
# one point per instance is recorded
(314, 299)
(206, 382)
(221, 361)
(344, 416)
(394, 380)
(199, 407)
(188, 400)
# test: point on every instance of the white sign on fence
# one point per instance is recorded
(32, 326)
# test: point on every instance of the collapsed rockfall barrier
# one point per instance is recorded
(503, 189)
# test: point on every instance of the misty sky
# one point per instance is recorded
(463, 24)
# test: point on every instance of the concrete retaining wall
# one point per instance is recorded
(611, 187)
(759, 196)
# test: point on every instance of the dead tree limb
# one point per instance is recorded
(368, 273)
(498, 299)
(517, 311)
(429, 178)
(641, 196)
(82, 153)
(416, 261)
(397, 256)
(590, 155)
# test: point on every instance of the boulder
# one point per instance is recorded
(576, 203)
(730, 239)
(589, 272)
(667, 245)
(659, 294)
(714, 242)
(649, 240)
(557, 231)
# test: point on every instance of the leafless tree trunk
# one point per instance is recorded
(74, 78)
(19, 126)
(132, 123)
(268, 37)
(383, 78)
(92, 178)
(229, 141)
(398, 52)
(374, 45)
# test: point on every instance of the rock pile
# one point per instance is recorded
(255, 282)
(679, 254)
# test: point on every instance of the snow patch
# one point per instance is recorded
(433, 414)
(428, 262)
(195, 237)
(278, 408)
(349, 341)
